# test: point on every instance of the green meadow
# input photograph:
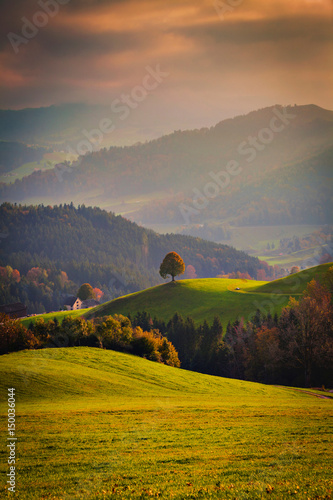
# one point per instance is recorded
(97, 424)
(49, 316)
(205, 298)
(200, 298)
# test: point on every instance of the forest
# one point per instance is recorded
(47, 252)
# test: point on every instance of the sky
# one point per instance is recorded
(214, 58)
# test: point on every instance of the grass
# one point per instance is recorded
(296, 283)
(49, 316)
(200, 298)
(294, 258)
(205, 298)
(96, 424)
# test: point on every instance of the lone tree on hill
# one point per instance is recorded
(85, 292)
(172, 264)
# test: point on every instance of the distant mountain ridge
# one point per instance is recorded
(226, 172)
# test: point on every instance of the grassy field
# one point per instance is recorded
(96, 424)
(295, 283)
(200, 298)
(205, 298)
(59, 315)
(294, 258)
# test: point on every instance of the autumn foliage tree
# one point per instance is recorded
(190, 272)
(307, 331)
(14, 336)
(172, 265)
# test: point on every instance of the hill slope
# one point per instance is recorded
(96, 424)
(57, 376)
(205, 298)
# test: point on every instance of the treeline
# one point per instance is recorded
(93, 246)
(293, 349)
(40, 290)
(109, 332)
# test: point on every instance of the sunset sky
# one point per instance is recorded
(223, 58)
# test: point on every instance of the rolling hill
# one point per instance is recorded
(94, 424)
(202, 299)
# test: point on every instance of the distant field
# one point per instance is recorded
(253, 238)
(94, 424)
(48, 162)
(299, 258)
(257, 237)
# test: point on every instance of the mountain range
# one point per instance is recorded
(271, 166)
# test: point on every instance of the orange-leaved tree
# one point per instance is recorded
(173, 265)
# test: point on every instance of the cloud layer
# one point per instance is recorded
(224, 57)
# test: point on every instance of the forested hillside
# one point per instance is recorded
(281, 173)
(51, 251)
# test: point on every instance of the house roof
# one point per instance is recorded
(90, 303)
(70, 301)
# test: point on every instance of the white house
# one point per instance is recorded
(72, 303)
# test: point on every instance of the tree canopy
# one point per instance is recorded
(173, 265)
(85, 292)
